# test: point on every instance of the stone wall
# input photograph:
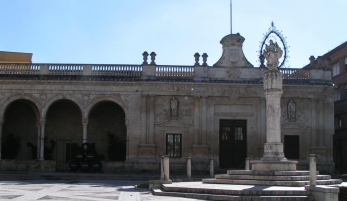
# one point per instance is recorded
(148, 116)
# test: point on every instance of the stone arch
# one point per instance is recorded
(114, 99)
(35, 104)
(61, 97)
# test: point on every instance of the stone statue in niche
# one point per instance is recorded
(272, 53)
(174, 107)
(291, 110)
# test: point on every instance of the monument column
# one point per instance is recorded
(273, 158)
(273, 148)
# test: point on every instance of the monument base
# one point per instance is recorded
(284, 165)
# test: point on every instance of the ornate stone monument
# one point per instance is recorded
(273, 158)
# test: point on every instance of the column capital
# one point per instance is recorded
(85, 120)
(42, 121)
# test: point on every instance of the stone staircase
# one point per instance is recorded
(270, 178)
(199, 190)
(248, 185)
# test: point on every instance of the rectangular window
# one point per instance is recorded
(337, 94)
(174, 145)
(336, 69)
(238, 133)
(346, 64)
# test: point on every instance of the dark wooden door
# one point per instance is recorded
(291, 146)
(232, 143)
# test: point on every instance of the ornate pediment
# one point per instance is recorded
(293, 126)
(174, 123)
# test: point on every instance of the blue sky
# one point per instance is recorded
(119, 31)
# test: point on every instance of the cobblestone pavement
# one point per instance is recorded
(81, 190)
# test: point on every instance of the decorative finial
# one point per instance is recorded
(272, 24)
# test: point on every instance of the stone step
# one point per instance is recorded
(269, 173)
(270, 183)
(204, 196)
(271, 177)
(227, 189)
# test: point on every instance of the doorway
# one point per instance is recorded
(232, 143)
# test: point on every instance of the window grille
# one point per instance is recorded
(174, 145)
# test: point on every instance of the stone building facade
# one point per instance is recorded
(336, 60)
(201, 111)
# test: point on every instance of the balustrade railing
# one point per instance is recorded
(65, 69)
(19, 69)
(117, 70)
(293, 73)
(174, 71)
(121, 70)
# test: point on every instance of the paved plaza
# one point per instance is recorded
(81, 190)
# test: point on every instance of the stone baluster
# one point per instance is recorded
(197, 56)
(204, 59)
(153, 54)
(212, 167)
(247, 164)
(189, 167)
(313, 176)
(145, 57)
(85, 129)
(42, 144)
(165, 168)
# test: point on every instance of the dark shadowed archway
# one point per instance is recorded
(63, 128)
(20, 130)
(107, 129)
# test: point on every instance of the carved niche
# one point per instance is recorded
(171, 109)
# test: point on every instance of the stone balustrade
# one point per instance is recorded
(197, 72)
(174, 71)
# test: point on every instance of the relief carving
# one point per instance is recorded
(233, 73)
(186, 118)
(291, 110)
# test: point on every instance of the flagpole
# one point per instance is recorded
(231, 19)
